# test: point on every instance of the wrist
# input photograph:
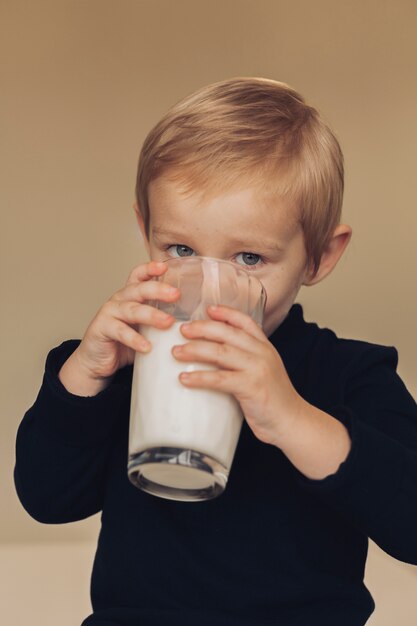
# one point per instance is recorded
(79, 380)
(315, 442)
(287, 426)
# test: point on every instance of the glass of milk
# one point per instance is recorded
(182, 440)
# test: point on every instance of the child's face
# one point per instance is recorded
(245, 226)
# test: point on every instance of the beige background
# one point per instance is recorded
(82, 82)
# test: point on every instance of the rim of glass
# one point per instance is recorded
(237, 268)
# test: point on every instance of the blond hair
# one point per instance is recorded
(256, 130)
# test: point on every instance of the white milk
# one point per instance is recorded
(165, 413)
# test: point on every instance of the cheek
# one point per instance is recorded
(280, 287)
(281, 293)
(276, 304)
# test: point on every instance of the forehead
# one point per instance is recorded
(244, 207)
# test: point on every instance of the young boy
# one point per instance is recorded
(243, 170)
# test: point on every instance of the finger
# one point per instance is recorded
(146, 271)
(219, 380)
(148, 290)
(134, 313)
(223, 333)
(236, 318)
(123, 333)
(221, 355)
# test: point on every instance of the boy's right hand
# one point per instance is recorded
(110, 341)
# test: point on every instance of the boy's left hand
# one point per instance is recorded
(250, 369)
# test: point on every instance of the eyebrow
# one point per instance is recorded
(245, 244)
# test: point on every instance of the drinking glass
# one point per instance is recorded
(182, 440)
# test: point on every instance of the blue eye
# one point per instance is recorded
(181, 250)
(249, 259)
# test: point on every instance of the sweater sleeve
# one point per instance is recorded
(376, 487)
(64, 442)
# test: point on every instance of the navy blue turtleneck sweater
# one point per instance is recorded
(275, 548)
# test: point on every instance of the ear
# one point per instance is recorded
(331, 255)
(141, 223)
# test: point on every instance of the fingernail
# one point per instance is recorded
(145, 346)
(162, 317)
